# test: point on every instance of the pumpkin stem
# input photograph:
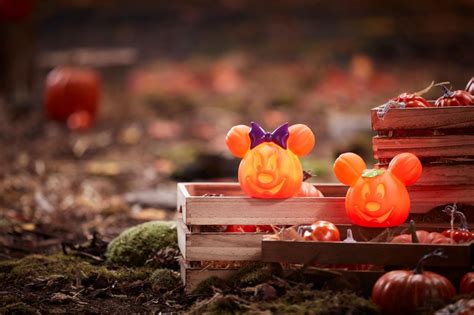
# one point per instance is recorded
(307, 175)
(426, 89)
(436, 253)
(414, 237)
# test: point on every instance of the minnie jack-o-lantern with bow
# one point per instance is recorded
(377, 197)
(270, 167)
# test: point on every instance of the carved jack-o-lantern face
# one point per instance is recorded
(270, 167)
(377, 197)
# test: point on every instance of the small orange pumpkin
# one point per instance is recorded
(377, 197)
(270, 167)
(422, 237)
(404, 291)
(308, 190)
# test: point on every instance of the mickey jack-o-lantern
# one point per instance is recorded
(270, 167)
(377, 197)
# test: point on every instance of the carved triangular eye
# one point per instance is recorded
(365, 191)
(380, 190)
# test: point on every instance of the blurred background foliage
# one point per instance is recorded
(178, 74)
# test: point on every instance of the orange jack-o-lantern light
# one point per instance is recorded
(377, 197)
(270, 167)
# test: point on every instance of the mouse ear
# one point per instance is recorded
(406, 167)
(238, 140)
(348, 167)
(301, 140)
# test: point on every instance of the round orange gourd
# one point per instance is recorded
(270, 167)
(377, 197)
(404, 291)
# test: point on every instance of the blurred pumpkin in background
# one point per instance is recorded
(72, 95)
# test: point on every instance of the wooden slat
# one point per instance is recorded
(191, 277)
(424, 118)
(251, 211)
(444, 173)
(224, 246)
(363, 253)
(240, 209)
(183, 232)
(426, 197)
(243, 210)
(424, 147)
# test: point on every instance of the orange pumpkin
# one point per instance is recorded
(377, 197)
(422, 237)
(270, 167)
(308, 190)
(467, 283)
(71, 90)
(404, 291)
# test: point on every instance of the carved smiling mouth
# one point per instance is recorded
(270, 191)
(379, 219)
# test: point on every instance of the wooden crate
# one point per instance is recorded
(201, 205)
(445, 133)
(442, 138)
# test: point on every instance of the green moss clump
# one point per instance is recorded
(206, 287)
(250, 275)
(164, 279)
(135, 245)
(35, 266)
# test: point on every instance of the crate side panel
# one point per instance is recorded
(424, 147)
(252, 211)
(224, 246)
(361, 253)
(426, 197)
(182, 232)
(446, 173)
(424, 118)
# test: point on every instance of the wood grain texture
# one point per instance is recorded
(192, 276)
(218, 245)
(198, 210)
(424, 147)
(444, 173)
(424, 118)
(301, 252)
